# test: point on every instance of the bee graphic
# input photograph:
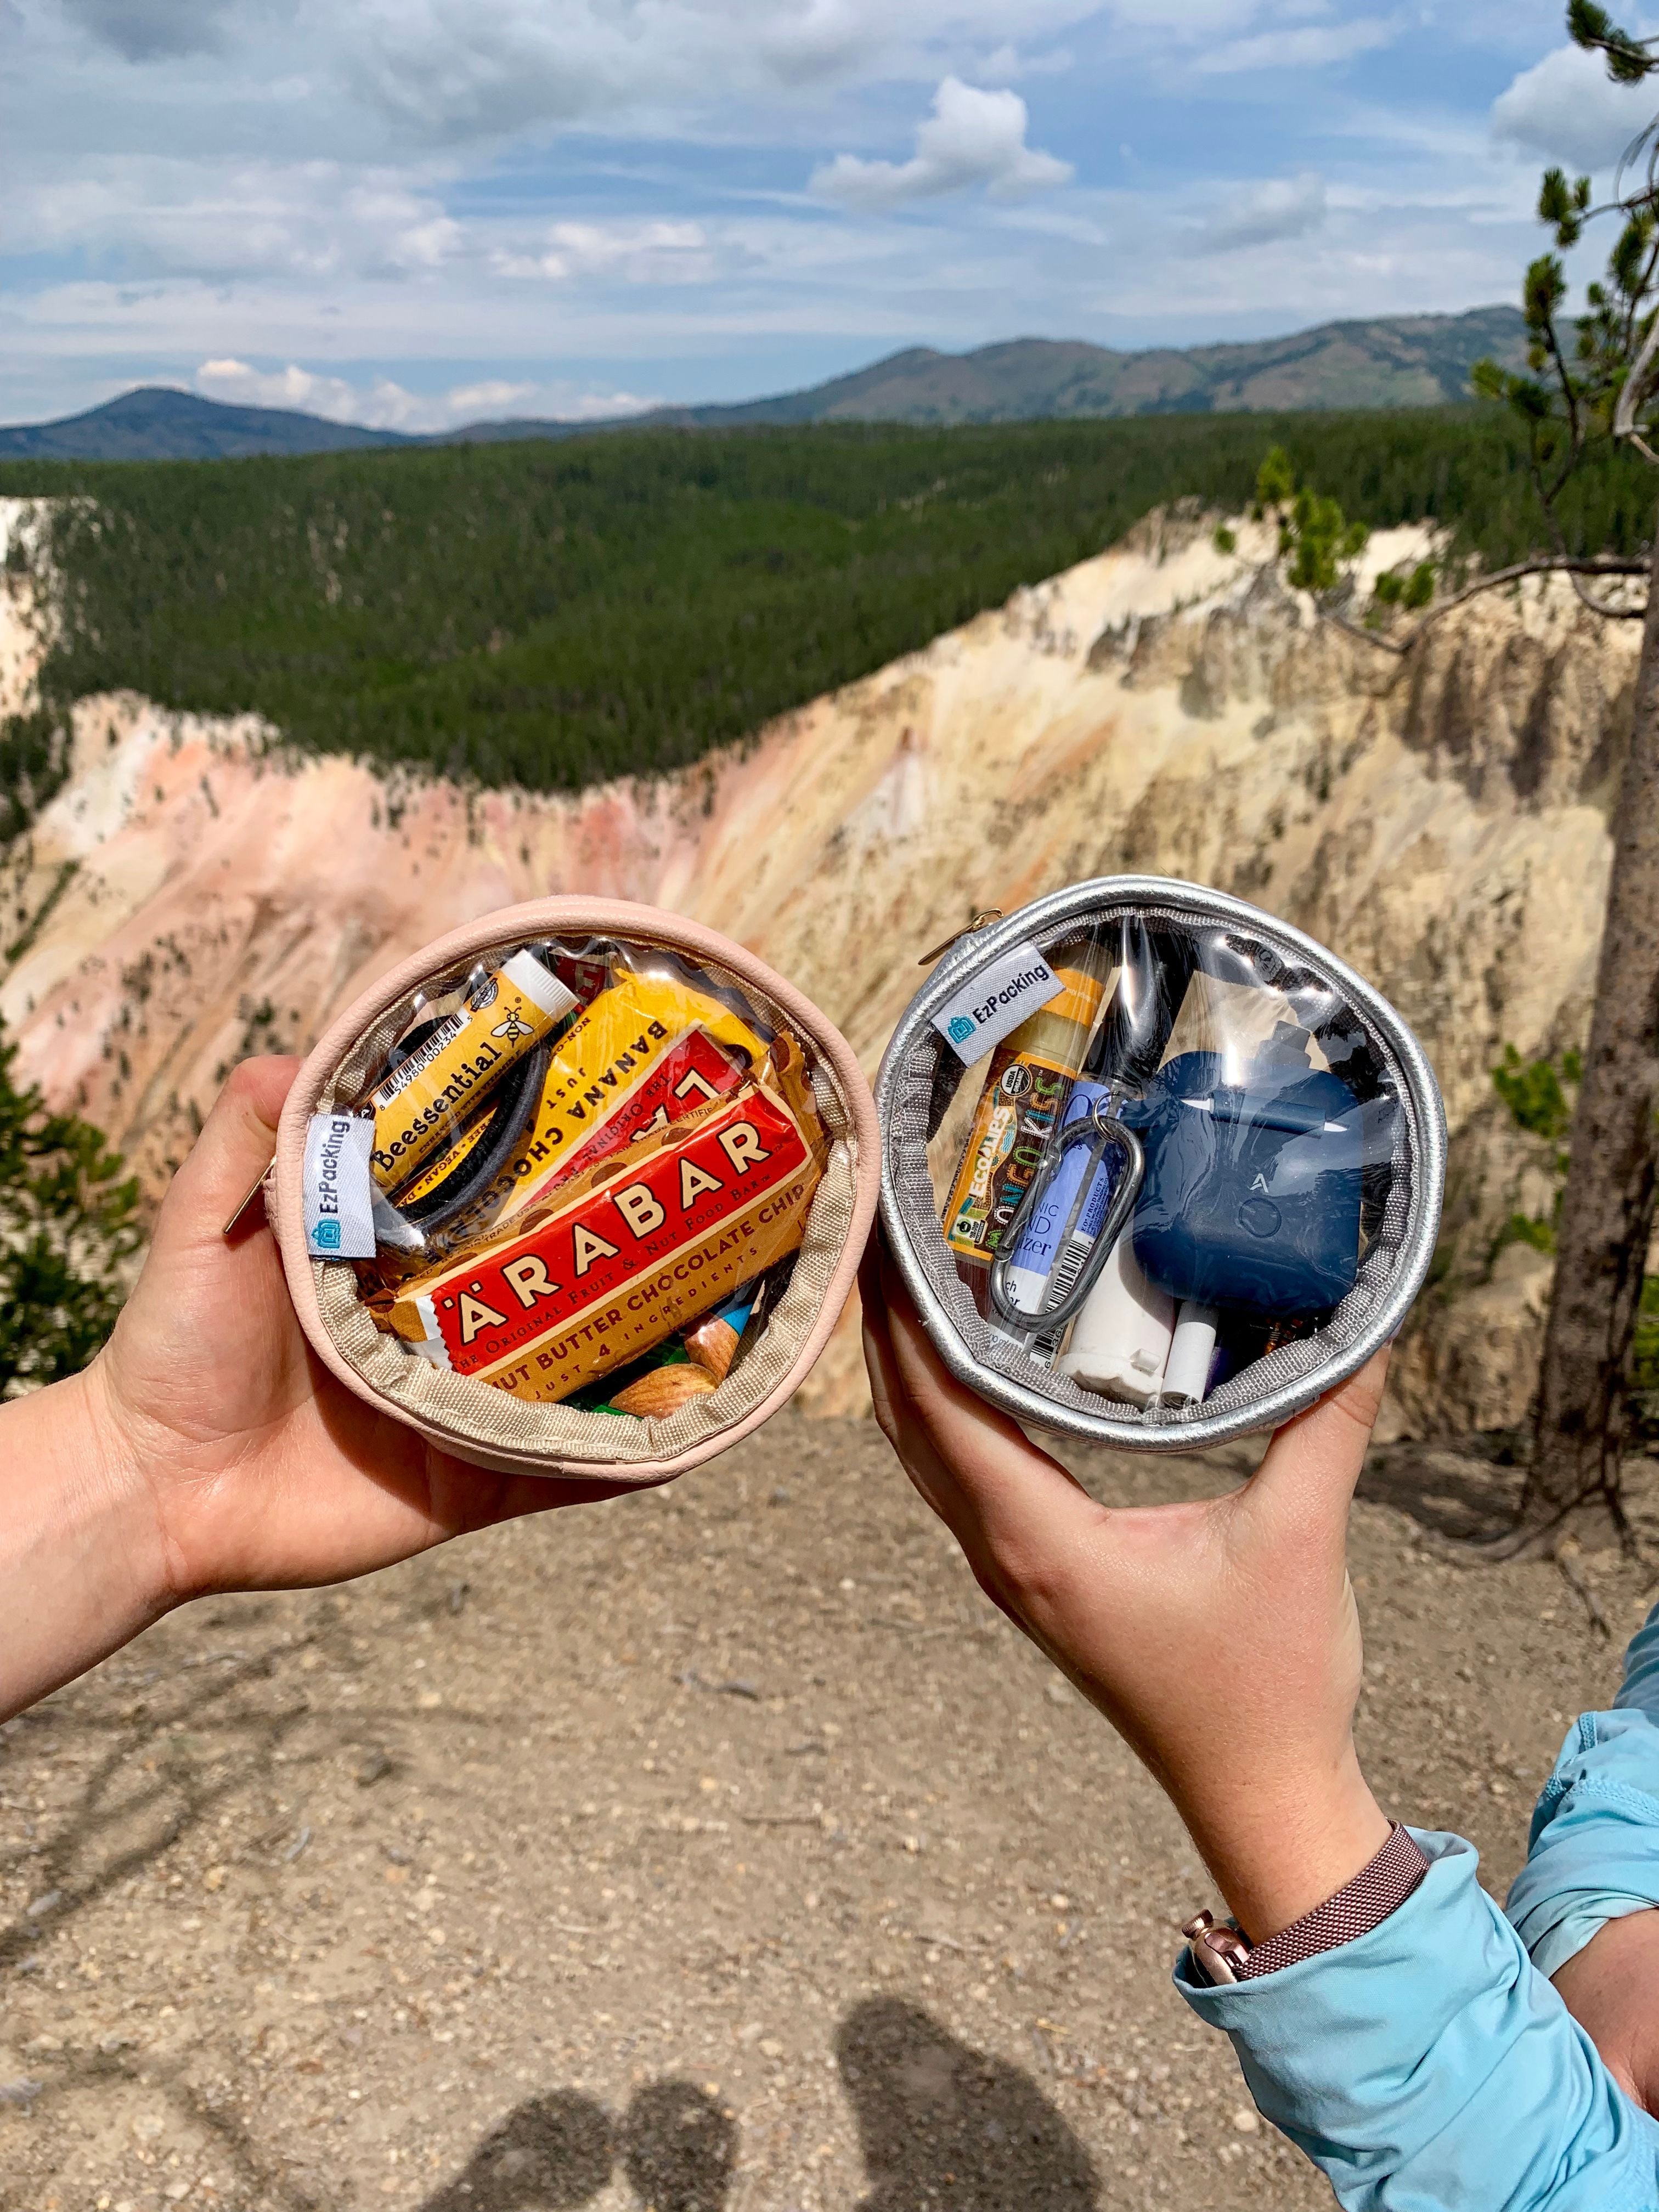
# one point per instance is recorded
(512, 1029)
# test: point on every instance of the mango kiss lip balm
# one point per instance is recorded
(420, 1105)
(1026, 1092)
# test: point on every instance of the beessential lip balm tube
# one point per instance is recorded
(422, 1100)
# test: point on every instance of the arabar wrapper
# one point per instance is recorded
(632, 1250)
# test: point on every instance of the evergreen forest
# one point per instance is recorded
(552, 614)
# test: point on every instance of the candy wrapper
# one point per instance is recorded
(630, 1249)
(567, 1173)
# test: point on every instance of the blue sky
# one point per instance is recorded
(416, 212)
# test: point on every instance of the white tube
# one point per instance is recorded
(1187, 1373)
(1121, 1338)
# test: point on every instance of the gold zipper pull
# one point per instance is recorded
(983, 914)
(257, 1190)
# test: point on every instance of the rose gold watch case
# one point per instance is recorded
(1218, 1953)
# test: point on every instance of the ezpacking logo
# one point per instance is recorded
(335, 1185)
(325, 1198)
(1015, 988)
(996, 1000)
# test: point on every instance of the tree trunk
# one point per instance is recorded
(1607, 1209)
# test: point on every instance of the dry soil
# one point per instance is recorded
(718, 1849)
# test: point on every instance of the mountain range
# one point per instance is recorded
(1402, 361)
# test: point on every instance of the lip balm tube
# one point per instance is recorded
(420, 1104)
(1026, 1092)
(1192, 1348)
(1120, 1341)
(1061, 1231)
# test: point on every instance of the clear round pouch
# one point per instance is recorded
(1158, 1169)
(578, 1189)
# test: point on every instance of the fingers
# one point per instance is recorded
(996, 1480)
(1310, 1469)
(885, 1387)
(235, 1146)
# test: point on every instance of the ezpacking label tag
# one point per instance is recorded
(996, 1000)
(337, 1187)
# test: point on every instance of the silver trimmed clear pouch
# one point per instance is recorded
(1179, 1199)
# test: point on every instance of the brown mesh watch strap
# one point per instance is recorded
(1358, 1906)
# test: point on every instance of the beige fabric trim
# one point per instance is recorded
(471, 1413)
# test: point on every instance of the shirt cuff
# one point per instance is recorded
(1426, 2063)
(1593, 1854)
(1378, 1890)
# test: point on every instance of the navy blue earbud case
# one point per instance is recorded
(1253, 1190)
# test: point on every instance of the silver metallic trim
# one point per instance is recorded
(1425, 1126)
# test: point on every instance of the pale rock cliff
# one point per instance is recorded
(196, 891)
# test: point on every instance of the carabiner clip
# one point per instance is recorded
(1076, 1271)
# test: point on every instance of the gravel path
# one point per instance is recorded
(718, 1849)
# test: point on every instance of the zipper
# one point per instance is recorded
(983, 916)
(261, 1188)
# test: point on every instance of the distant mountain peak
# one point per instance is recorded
(163, 423)
(1394, 361)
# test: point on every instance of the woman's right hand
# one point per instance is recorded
(1220, 1637)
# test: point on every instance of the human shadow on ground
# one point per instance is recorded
(937, 2121)
(676, 2145)
(936, 2118)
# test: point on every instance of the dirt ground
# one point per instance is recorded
(718, 1849)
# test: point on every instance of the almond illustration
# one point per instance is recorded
(712, 1344)
(664, 1391)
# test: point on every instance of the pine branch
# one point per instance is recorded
(1573, 565)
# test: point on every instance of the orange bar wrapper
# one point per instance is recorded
(419, 1104)
(618, 1265)
(645, 1053)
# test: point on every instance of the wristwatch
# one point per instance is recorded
(1222, 1953)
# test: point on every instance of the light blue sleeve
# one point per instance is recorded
(1593, 1853)
(1427, 2066)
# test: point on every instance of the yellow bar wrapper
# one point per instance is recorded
(610, 1054)
(630, 1250)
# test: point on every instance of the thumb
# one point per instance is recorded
(235, 1147)
(1310, 1471)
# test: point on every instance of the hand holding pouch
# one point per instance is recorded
(1201, 1180)
(619, 1175)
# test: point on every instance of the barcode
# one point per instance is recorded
(406, 1070)
(1066, 1273)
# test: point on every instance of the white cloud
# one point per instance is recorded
(384, 405)
(494, 397)
(1566, 108)
(305, 220)
(639, 253)
(1283, 207)
(458, 70)
(1315, 45)
(972, 137)
(1008, 63)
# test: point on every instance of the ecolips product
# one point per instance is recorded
(581, 1190)
(1227, 1199)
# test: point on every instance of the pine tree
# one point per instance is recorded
(1602, 387)
(67, 1224)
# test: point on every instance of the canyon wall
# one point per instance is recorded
(196, 891)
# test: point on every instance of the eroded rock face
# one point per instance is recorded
(196, 892)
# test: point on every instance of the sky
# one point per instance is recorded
(412, 213)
